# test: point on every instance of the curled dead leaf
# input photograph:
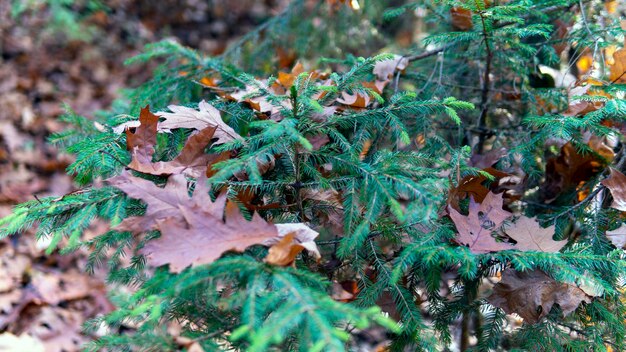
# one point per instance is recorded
(616, 183)
(532, 294)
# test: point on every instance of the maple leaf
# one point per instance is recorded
(618, 236)
(203, 236)
(616, 183)
(532, 294)
(205, 116)
(475, 229)
(532, 237)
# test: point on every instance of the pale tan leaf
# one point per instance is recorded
(385, 69)
(618, 236)
(530, 236)
(205, 116)
(24, 342)
(616, 183)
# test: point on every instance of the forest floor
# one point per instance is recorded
(45, 298)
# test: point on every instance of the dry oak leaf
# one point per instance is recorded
(618, 236)
(571, 168)
(205, 116)
(291, 240)
(461, 18)
(204, 236)
(532, 294)
(141, 142)
(385, 69)
(530, 236)
(618, 68)
(192, 160)
(472, 186)
(184, 117)
(616, 183)
(284, 252)
(162, 202)
(474, 229)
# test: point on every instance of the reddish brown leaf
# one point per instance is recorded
(472, 186)
(203, 236)
(192, 160)
(616, 183)
(474, 229)
(193, 231)
(461, 18)
(532, 294)
(570, 170)
(141, 142)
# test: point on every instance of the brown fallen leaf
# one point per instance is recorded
(616, 183)
(58, 329)
(284, 252)
(54, 289)
(618, 236)
(385, 69)
(162, 202)
(287, 79)
(530, 236)
(570, 170)
(192, 160)
(461, 18)
(472, 186)
(345, 291)
(474, 229)
(141, 142)
(532, 294)
(203, 236)
(291, 240)
(618, 69)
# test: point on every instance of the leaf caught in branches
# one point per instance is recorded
(474, 229)
(205, 116)
(532, 237)
(532, 295)
(616, 183)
